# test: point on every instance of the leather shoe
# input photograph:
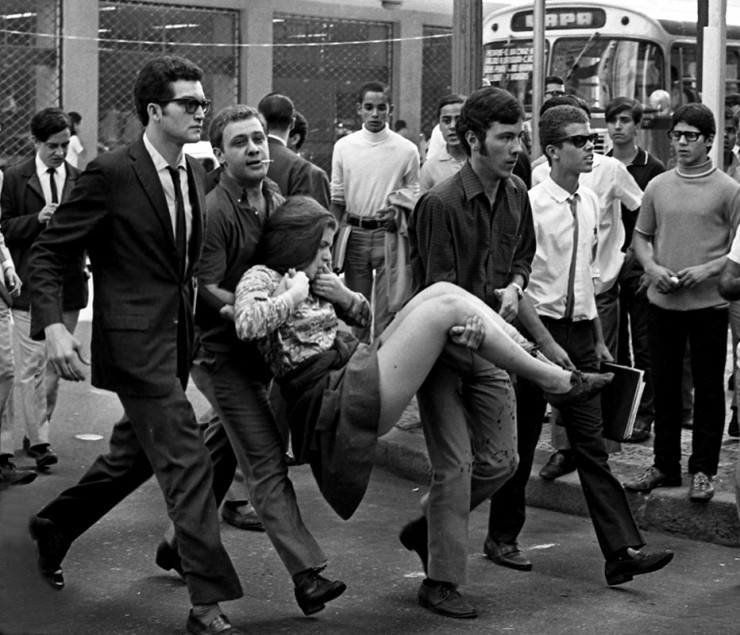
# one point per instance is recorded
(218, 626)
(650, 479)
(168, 558)
(52, 548)
(583, 387)
(414, 537)
(624, 569)
(242, 515)
(43, 455)
(312, 591)
(10, 475)
(506, 555)
(701, 488)
(444, 598)
(559, 464)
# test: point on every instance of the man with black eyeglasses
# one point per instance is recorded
(139, 212)
(561, 290)
(682, 236)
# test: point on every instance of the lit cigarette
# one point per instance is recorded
(266, 161)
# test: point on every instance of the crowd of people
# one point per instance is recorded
(482, 284)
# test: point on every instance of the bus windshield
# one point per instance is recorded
(600, 69)
(595, 68)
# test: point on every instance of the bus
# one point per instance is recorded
(604, 50)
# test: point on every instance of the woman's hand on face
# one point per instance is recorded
(327, 284)
(297, 285)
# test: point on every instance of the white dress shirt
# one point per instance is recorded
(60, 176)
(614, 186)
(554, 228)
(161, 165)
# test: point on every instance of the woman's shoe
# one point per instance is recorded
(583, 387)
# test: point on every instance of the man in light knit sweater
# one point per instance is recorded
(367, 166)
(681, 238)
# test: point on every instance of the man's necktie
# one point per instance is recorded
(570, 295)
(180, 241)
(53, 183)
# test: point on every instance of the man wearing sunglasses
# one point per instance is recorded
(139, 212)
(682, 237)
(561, 289)
(615, 187)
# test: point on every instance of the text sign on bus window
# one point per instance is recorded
(565, 18)
(511, 62)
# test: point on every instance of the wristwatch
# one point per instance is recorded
(518, 289)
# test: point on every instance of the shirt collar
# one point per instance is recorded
(472, 186)
(159, 161)
(641, 158)
(41, 167)
(278, 139)
(232, 187)
(556, 192)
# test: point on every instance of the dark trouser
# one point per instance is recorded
(633, 327)
(607, 504)
(159, 436)
(254, 438)
(706, 331)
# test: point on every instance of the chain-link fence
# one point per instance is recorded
(436, 74)
(322, 76)
(133, 31)
(29, 71)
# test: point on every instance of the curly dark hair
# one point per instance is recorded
(154, 79)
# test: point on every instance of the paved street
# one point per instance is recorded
(114, 587)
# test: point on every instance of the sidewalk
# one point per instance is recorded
(665, 509)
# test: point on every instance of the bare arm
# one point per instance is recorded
(729, 280)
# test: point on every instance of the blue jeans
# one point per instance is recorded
(706, 332)
(468, 412)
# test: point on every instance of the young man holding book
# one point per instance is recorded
(561, 288)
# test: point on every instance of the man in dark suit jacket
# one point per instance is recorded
(139, 211)
(293, 174)
(31, 192)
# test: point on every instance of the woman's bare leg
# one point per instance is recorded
(415, 339)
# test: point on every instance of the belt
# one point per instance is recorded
(363, 223)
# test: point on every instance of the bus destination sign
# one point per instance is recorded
(509, 63)
(565, 18)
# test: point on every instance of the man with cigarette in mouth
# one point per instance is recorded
(237, 208)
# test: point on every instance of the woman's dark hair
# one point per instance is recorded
(292, 234)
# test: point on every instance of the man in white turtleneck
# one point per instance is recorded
(682, 236)
(367, 165)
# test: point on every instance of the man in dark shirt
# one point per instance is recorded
(237, 208)
(474, 230)
(623, 117)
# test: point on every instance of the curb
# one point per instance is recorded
(666, 510)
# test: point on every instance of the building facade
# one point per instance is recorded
(83, 55)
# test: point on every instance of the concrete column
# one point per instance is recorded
(407, 62)
(256, 61)
(713, 72)
(467, 45)
(80, 64)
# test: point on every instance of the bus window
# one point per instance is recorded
(683, 74)
(599, 69)
(508, 65)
